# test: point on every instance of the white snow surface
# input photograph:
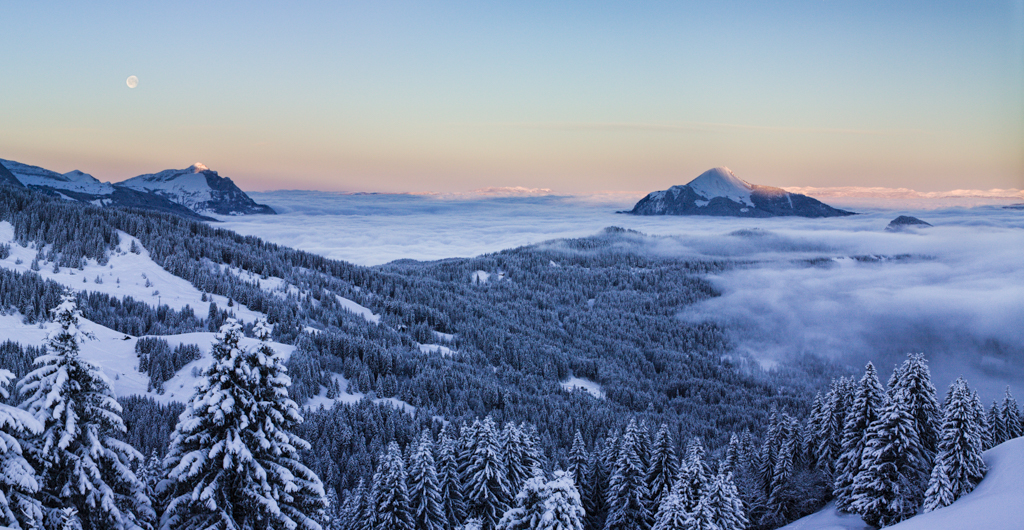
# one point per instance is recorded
(445, 351)
(321, 399)
(591, 387)
(132, 269)
(721, 182)
(72, 180)
(114, 353)
(994, 505)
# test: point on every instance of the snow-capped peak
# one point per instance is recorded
(197, 167)
(721, 182)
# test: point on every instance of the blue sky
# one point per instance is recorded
(573, 96)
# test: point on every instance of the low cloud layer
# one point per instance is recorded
(959, 297)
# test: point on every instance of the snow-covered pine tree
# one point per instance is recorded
(732, 454)
(485, 479)
(449, 481)
(390, 497)
(720, 507)
(915, 378)
(867, 402)
(940, 492)
(782, 494)
(996, 432)
(694, 474)
(1011, 417)
(81, 464)
(424, 491)
(673, 515)
(887, 491)
(628, 497)
(19, 509)
(961, 444)
(831, 425)
(579, 460)
(350, 515)
(599, 470)
(663, 467)
(233, 459)
(519, 450)
(552, 505)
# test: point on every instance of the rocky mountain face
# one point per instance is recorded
(195, 192)
(719, 192)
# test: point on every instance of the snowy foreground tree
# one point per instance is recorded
(18, 485)
(551, 505)
(233, 460)
(86, 473)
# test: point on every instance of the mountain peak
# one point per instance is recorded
(721, 182)
(197, 167)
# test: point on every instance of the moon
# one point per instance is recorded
(132, 81)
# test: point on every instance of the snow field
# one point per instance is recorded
(591, 387)
(347, 397)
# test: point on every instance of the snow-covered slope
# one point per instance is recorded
(71, 181)
(125, 274)
(199, 189)
(996, 504)
(719, 192)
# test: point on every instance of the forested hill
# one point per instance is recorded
(504, 334)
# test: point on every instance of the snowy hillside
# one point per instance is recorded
(199, 189)
(994, 505)
(126, 274)
(719, 192)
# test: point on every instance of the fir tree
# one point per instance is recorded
(453, 505)
(553, 505)
(720, 507)
(940, 491)
(996, 432)
(732, 455)
(866, 404)
(391, 509)
(915, 380)
(486, 482)
(19, 509)
(82, 465)
(1011, 417)
(595, 496)
(233, 459)
(424, 491)
(887, 491)
(628, 497)
(663, 468)
(579, 460)
(694, 475)
(673, 514)
(961, 445)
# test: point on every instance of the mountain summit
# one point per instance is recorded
(719, 192)
(199, 189)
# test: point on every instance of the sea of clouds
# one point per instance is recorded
(956, 293)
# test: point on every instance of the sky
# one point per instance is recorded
(572, 96)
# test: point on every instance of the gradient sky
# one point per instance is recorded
(573, 96)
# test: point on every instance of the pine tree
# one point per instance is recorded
(424, 491)
(453, 504)
(553, 505)
(628, 497)
(720, 507)
(599, 469)
(940, 491)
(782, 494)
(673, 515)
(81, 463)
(694, 475)
(887, 491)
(519, 452)
(866, 404)
(486, 481)
(961, 445)
(996, 432)
(19, 509)
(1011, 417)
(579, 460)
(233, 459)
(390, 497)
(732, 454)
(663, 468)
(915, 380)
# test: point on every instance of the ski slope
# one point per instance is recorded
(996, 504)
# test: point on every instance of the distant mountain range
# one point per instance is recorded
(719, 192)
(196, 191)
